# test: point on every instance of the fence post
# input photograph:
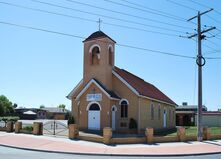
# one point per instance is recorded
(9, 126)
(18, 127)
(149, 135)
(38, 128)
(107, 135)
(181, 134)
(206, 133)
(73, 131)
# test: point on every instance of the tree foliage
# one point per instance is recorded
(62, 106)
(41, 106)
(6, 107)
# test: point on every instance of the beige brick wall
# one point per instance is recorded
(125, 92)
(103, 71)
(157, 121)
(105, 109)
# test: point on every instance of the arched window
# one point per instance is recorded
(159, 112)
(110, 56)
(152, 111)
(95, 55)
(94, 107)
(124, 109)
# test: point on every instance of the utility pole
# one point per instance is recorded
(200, 61)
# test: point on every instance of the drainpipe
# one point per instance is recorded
(138, 125)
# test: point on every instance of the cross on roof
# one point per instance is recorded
(99, 24)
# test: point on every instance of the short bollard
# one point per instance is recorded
(107, 135)
(18, 127)
(38, 128)
(149, 135)
(73, 131)
(181, 134)
(9, 126)
(206, 133)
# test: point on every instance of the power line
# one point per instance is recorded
(40, 29)
(182, 5)
(215, 20)
(147, 11)
(185, 6)
(130, 15)
(156, 51)
(80, 37)
(213, 58)
(85, 19)
(111, 24)
(212, 52)
(213, 43)
(45, 11)
(203, 5)
(145, 7)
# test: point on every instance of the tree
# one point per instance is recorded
(6, 107)
(62, 106)
(41, 106)
(15, 105)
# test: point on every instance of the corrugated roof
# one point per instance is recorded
(142, 87)
(98, 35)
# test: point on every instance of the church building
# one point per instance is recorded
(108, 96)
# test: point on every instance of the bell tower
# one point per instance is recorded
(99, 50)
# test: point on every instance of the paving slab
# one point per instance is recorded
(65, 145)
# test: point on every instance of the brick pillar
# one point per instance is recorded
(73, 131)
(38, 128)
(107, 135)
(181, 134)
(18, 127)
(206, 133)
(9, 126)
(149, 135)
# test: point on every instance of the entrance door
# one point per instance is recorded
(164, 119)
(114, 109)
(94, 117)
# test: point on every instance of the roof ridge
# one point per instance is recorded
(97, 35)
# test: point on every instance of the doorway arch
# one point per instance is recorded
(94, 109)
(113, 117)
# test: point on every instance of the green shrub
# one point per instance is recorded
(132, 124)
(28, 128)
(71, 120)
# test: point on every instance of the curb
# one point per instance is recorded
(99, 154)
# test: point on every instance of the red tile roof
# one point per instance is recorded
(142, 87)
(212, 113)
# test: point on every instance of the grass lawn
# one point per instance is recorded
(190, 130)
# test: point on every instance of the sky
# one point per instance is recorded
(41, 67)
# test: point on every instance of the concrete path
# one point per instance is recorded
(64, 145)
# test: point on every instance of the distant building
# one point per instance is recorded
(56, 113)
(211, 118)
(186, 114)
(30, 113)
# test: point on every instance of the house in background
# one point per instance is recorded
(186, 114)
(30, 113)
(56, 113)
(108, 96)
(211, 118)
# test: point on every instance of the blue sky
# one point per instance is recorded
(38, 67)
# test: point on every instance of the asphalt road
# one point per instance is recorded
(11, 153)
